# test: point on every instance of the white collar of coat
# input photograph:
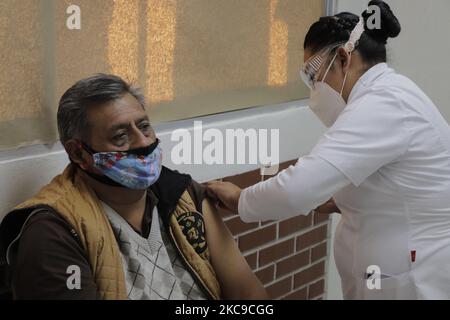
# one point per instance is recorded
(367, 78)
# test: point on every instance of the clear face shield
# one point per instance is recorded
(311, 69)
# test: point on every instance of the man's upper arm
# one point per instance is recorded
(236, 278)
(45, 251)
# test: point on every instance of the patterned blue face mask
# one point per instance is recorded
(134, 169)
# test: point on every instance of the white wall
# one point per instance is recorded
(421, 52)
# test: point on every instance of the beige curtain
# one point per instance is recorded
(191, 57)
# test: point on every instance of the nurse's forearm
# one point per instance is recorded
(294, 191)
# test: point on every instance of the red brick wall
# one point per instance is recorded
(288, 256)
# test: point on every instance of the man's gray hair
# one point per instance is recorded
(95, 90)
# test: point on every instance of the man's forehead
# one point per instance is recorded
(120, 111)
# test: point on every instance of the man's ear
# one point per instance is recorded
(344, 59)
(77, 154)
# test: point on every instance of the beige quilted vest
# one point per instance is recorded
(77, 203)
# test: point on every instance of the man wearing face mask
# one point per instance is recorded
(116, 224)
(384, 162)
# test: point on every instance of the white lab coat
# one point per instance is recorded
(386, 162)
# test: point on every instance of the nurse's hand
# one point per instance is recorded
(225, 193)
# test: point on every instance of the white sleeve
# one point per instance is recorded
(294, 191)
(369, 134)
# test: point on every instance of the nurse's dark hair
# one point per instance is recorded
(372, 44)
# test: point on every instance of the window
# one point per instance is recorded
(191, 57)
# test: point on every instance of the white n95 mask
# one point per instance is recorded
(326, 103)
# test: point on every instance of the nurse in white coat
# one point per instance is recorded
(384, 161)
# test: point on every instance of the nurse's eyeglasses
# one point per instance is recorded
(311, 68)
